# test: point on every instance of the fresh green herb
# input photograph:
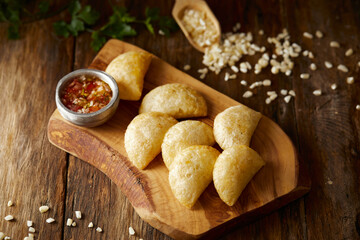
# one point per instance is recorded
(79, 18)
(82, 18)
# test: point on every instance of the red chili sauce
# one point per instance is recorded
(86, 94)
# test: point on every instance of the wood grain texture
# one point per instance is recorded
(33, 172)
(326, 141)
(148, 190)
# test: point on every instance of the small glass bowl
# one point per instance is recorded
(88, 119)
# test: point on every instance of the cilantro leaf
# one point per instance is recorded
(98, 40)
(13, 31)
(75, 26)
(61, 28)
(74, 7)
(88, 15)
(43, 7)
(149, 26)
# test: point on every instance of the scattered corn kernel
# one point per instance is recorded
(98, 229)
(333, 86)
(78, 214)
(328, 64)
(131, 231)
(319, 34)
(44, 209)
(350, 80)
(304, 76)
(317, 92)
(91, 225)
(292, 93)
(358, 107)
(334, 44)
(73, 224)
(187, 67)
(69, 222)
(308, 35)
(313, 66)
(342, 68)
(247, 94)
(10, 203)
(50, 220)
(287, 98)
(9, 217)
(349, 52)
(31, 229)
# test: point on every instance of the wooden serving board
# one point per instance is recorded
(278, 183)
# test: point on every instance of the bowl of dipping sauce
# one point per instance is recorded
(87, 97)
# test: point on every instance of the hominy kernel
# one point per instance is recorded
(268, 100)
(98, 229)
(31, 229)
(73, 224)
(9, 218)
(43, 209)
(131, 231)
(334, 44)
(10, 203)
(243, 82)
(349, 52)
(69, 222)
(342, 68)
(283, 92)
(287, 98)
(350, 80)
(187, 67)
(90, 225)
(266, 82)
(29, 223)
(308, 35)
(319, 34)
(328, 64)
(358, 107)
(261, 32)
(304, 76)
(50, 220)
(313, 66)
(247, 94)
(311, 55)
(317, 92)
(78, 214)
(292, 93)
(333, 86)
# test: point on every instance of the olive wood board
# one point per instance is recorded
(279, 182)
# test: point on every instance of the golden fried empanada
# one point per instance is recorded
(144, 135)
(185, 134)
(233, 170)
(235, 126)
(177, 100)
(128, 70)
(191, 173)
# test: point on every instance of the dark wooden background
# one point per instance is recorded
(325, 129)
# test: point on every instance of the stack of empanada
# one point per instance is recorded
(186, 146)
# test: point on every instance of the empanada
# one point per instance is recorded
(233, 170)
(185, 134)
(128, 70)
(235, 126)
(144, 135)
(177, 100)
(191, 173)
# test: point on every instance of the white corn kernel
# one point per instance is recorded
(90, 225)
(78, 214)
(311, 55)
(7, 238)
(287, 98)
(131, 231)
(328, 64)
(349, 52)
(2, 235)
(243, 82)
(292, 93)
(319, 34)
(350, 80)
(69, 222)
(98, 229)
(317, 92)
(9, 217)
(187, 67)
(268, 100)
(31, 229)
(29, 223)
(247, 94)
(342, 68)
(333, 86)
(266, 82)
(43, 209)
(73, 224)
(283, 92)
(357, 107)
(261, 32)
(10, 203)
(50, 220)
(313, 66)
(304, 76)
(308, 35)
(235, 69)
(334, 44)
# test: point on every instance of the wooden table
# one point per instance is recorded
(325, 129)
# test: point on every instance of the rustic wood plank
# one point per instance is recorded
(33, 172)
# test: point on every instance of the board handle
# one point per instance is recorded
(128, 178)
